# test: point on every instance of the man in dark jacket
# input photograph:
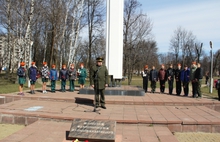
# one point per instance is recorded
(185, 74)
(178, 81)
(170, 77)
(198, 79)
(162, 76)
(153, 78)
(99, 80)
(217, 86)
(32, 74)
(145, 75)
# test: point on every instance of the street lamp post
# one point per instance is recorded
(211, 79)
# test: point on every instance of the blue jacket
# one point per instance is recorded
(21, 72)
(32, 73)
(185, 75)
(53, 74)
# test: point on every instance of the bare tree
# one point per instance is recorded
(216, 63)
(183, 40)
(198, 51)
(137, 27)
(94, 14)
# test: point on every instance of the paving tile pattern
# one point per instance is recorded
(51, 131)
(190, 118)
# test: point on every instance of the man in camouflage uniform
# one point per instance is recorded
(198, 80)
(192, 79)
(99, 80)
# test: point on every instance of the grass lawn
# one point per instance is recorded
(8, 129)
(13, 87)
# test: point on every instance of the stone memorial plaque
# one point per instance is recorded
(93, 130)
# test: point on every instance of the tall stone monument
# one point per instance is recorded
(114, 38)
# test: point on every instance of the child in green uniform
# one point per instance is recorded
(82, 74)
(21, 72)
(53, 78)
(72, 77)
(63, 77)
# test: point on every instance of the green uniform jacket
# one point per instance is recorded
(192, 73)
(99, 76)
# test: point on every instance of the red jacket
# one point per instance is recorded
(162, 74)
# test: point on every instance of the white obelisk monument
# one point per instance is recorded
(114, 38)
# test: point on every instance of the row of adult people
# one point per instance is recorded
(182, 77)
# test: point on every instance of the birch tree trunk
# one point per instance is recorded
(75, 32)
(28, 42)
(8, 51)
(63, 31)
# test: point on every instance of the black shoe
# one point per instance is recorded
(96, 106)
(103, 107)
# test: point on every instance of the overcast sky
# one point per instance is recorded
(202, 17)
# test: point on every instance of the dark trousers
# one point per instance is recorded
(178, 88)
(194, 89)
(72, 86)
(186, 88)
(53, 85)
(153, 86)
(63, 85)
(145, 83)
(219, 94)
(170, 83)
(198, 88)
(102, 97)
(162, 86)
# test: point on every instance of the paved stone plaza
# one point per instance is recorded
(150, 118)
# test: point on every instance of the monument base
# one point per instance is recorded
(121, 91)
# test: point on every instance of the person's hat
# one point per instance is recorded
(44, 63)
(99, 59)
(63, 66)
(193, 63)
(22, 64)
(53, 66)
(81, 64)
(185, 65)
(146, 66)
(33, 63)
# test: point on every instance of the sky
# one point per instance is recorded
(201, 17)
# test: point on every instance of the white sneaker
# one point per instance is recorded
(45, 92)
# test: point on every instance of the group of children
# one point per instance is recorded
(53, 75)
